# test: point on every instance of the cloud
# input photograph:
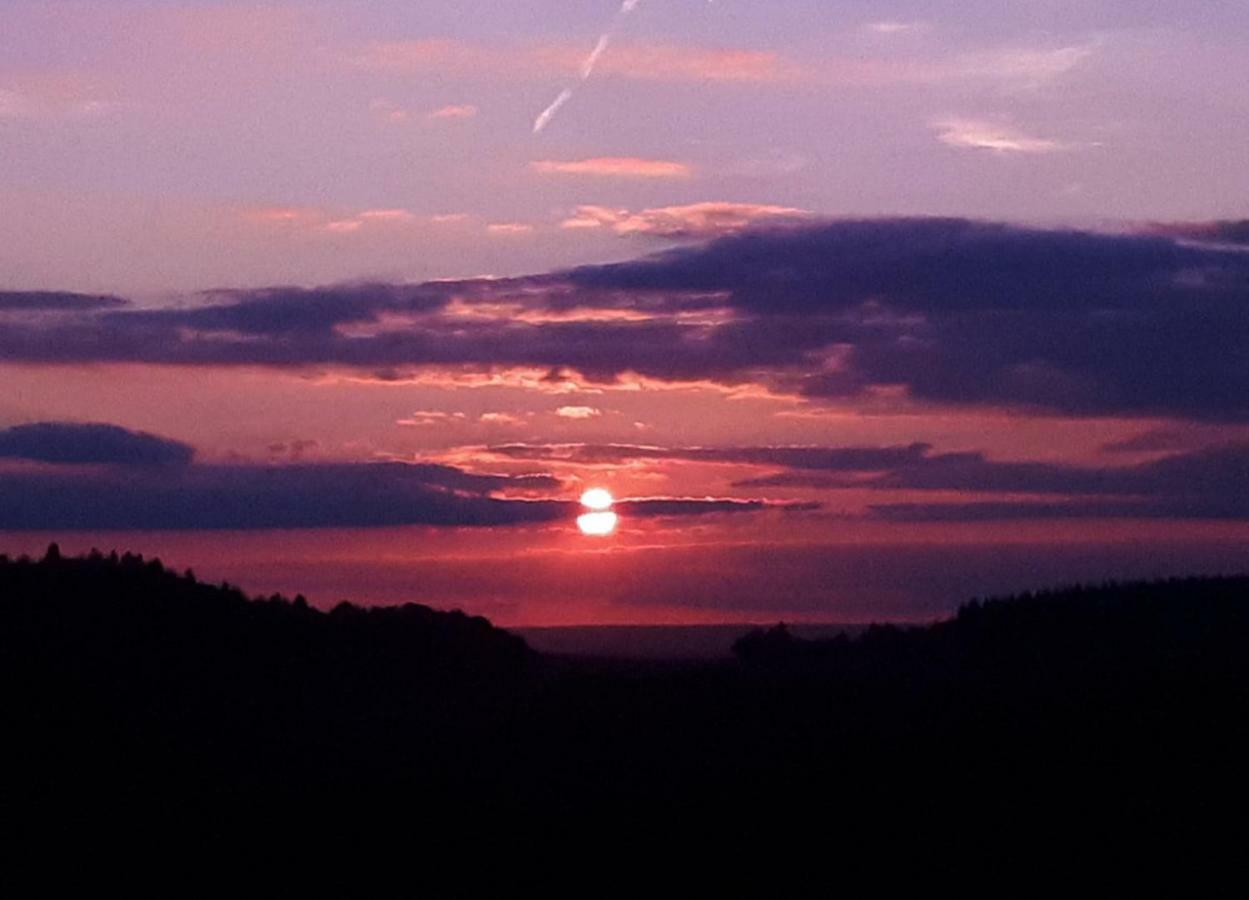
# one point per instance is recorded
(1220, 231)
(632, 61)
(508, 229)
(281, 496)
(697, 220)
(106, 477)
(91, 443)
(462, 111)
(978, 134)
(615, 167)
(386, 215)
(310, 219)
(838, 459)
(1027, 67)
(896, 27)
(578, 412)
(943, 312)
(671, 507)
(300, 496)
(25, 301)
(1011, 68)
(1206, 477)
(423, 418)
(500, 418)
(1201, 484)
(389, 112)
(280, 311)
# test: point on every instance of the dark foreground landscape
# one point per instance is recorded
(125, 683)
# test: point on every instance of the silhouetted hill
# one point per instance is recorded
(1187, 626)
(124, 682)
(164, 677)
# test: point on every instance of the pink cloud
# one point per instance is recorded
(465, 111)
(506, 229)
(305, 218)
(386, 215)
(500, 418)
(389, 112)
(615, 167)
(694, 220)
(578, 412)
(976, 134)
(1010, 65)
(663, 63)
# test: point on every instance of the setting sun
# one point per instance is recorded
(597, 499)
(598, 524)
(600, 521)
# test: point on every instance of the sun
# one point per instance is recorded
(597, 499)
(600, 521)
(598, 524)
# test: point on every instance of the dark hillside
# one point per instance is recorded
(124, 681)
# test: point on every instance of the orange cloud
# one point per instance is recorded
(615, 167)
(667, 63)
(427, 417)
(505, 229)
(694, 220)
(578, 412)
(1012, 66)
(661, 63)
(303, 218)
(465, 111)
(500, 418)
(283, 216)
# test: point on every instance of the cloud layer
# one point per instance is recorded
(62, 442)
(949, 311)
(1202, 484)
(103, 477)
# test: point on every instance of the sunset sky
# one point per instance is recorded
(860, 309)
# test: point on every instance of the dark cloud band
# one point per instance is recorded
(954, 312)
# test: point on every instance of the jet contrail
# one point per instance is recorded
(549, 113)
(587, 67)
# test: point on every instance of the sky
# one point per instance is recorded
(859, 309)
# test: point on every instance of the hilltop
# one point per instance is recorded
(124, 680)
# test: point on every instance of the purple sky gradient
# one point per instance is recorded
(861, 307)
(154, 147)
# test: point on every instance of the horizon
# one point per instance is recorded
(858, 313)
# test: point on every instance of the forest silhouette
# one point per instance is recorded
(126, 682)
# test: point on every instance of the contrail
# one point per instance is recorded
(587, 67)
(549, 113)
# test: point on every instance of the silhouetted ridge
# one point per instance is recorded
(1090, 707)
(1112, 629)
(163, 676)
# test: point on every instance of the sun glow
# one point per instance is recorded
(600, 521)
(598, 524)
(597, 499)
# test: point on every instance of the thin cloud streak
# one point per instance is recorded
(696, 220)
(977, 134)
(587, 68)
(615, 167)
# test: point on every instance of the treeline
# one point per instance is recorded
(120, 674)
(122, 679)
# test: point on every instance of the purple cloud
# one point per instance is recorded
(67, 442)
(954, 312)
